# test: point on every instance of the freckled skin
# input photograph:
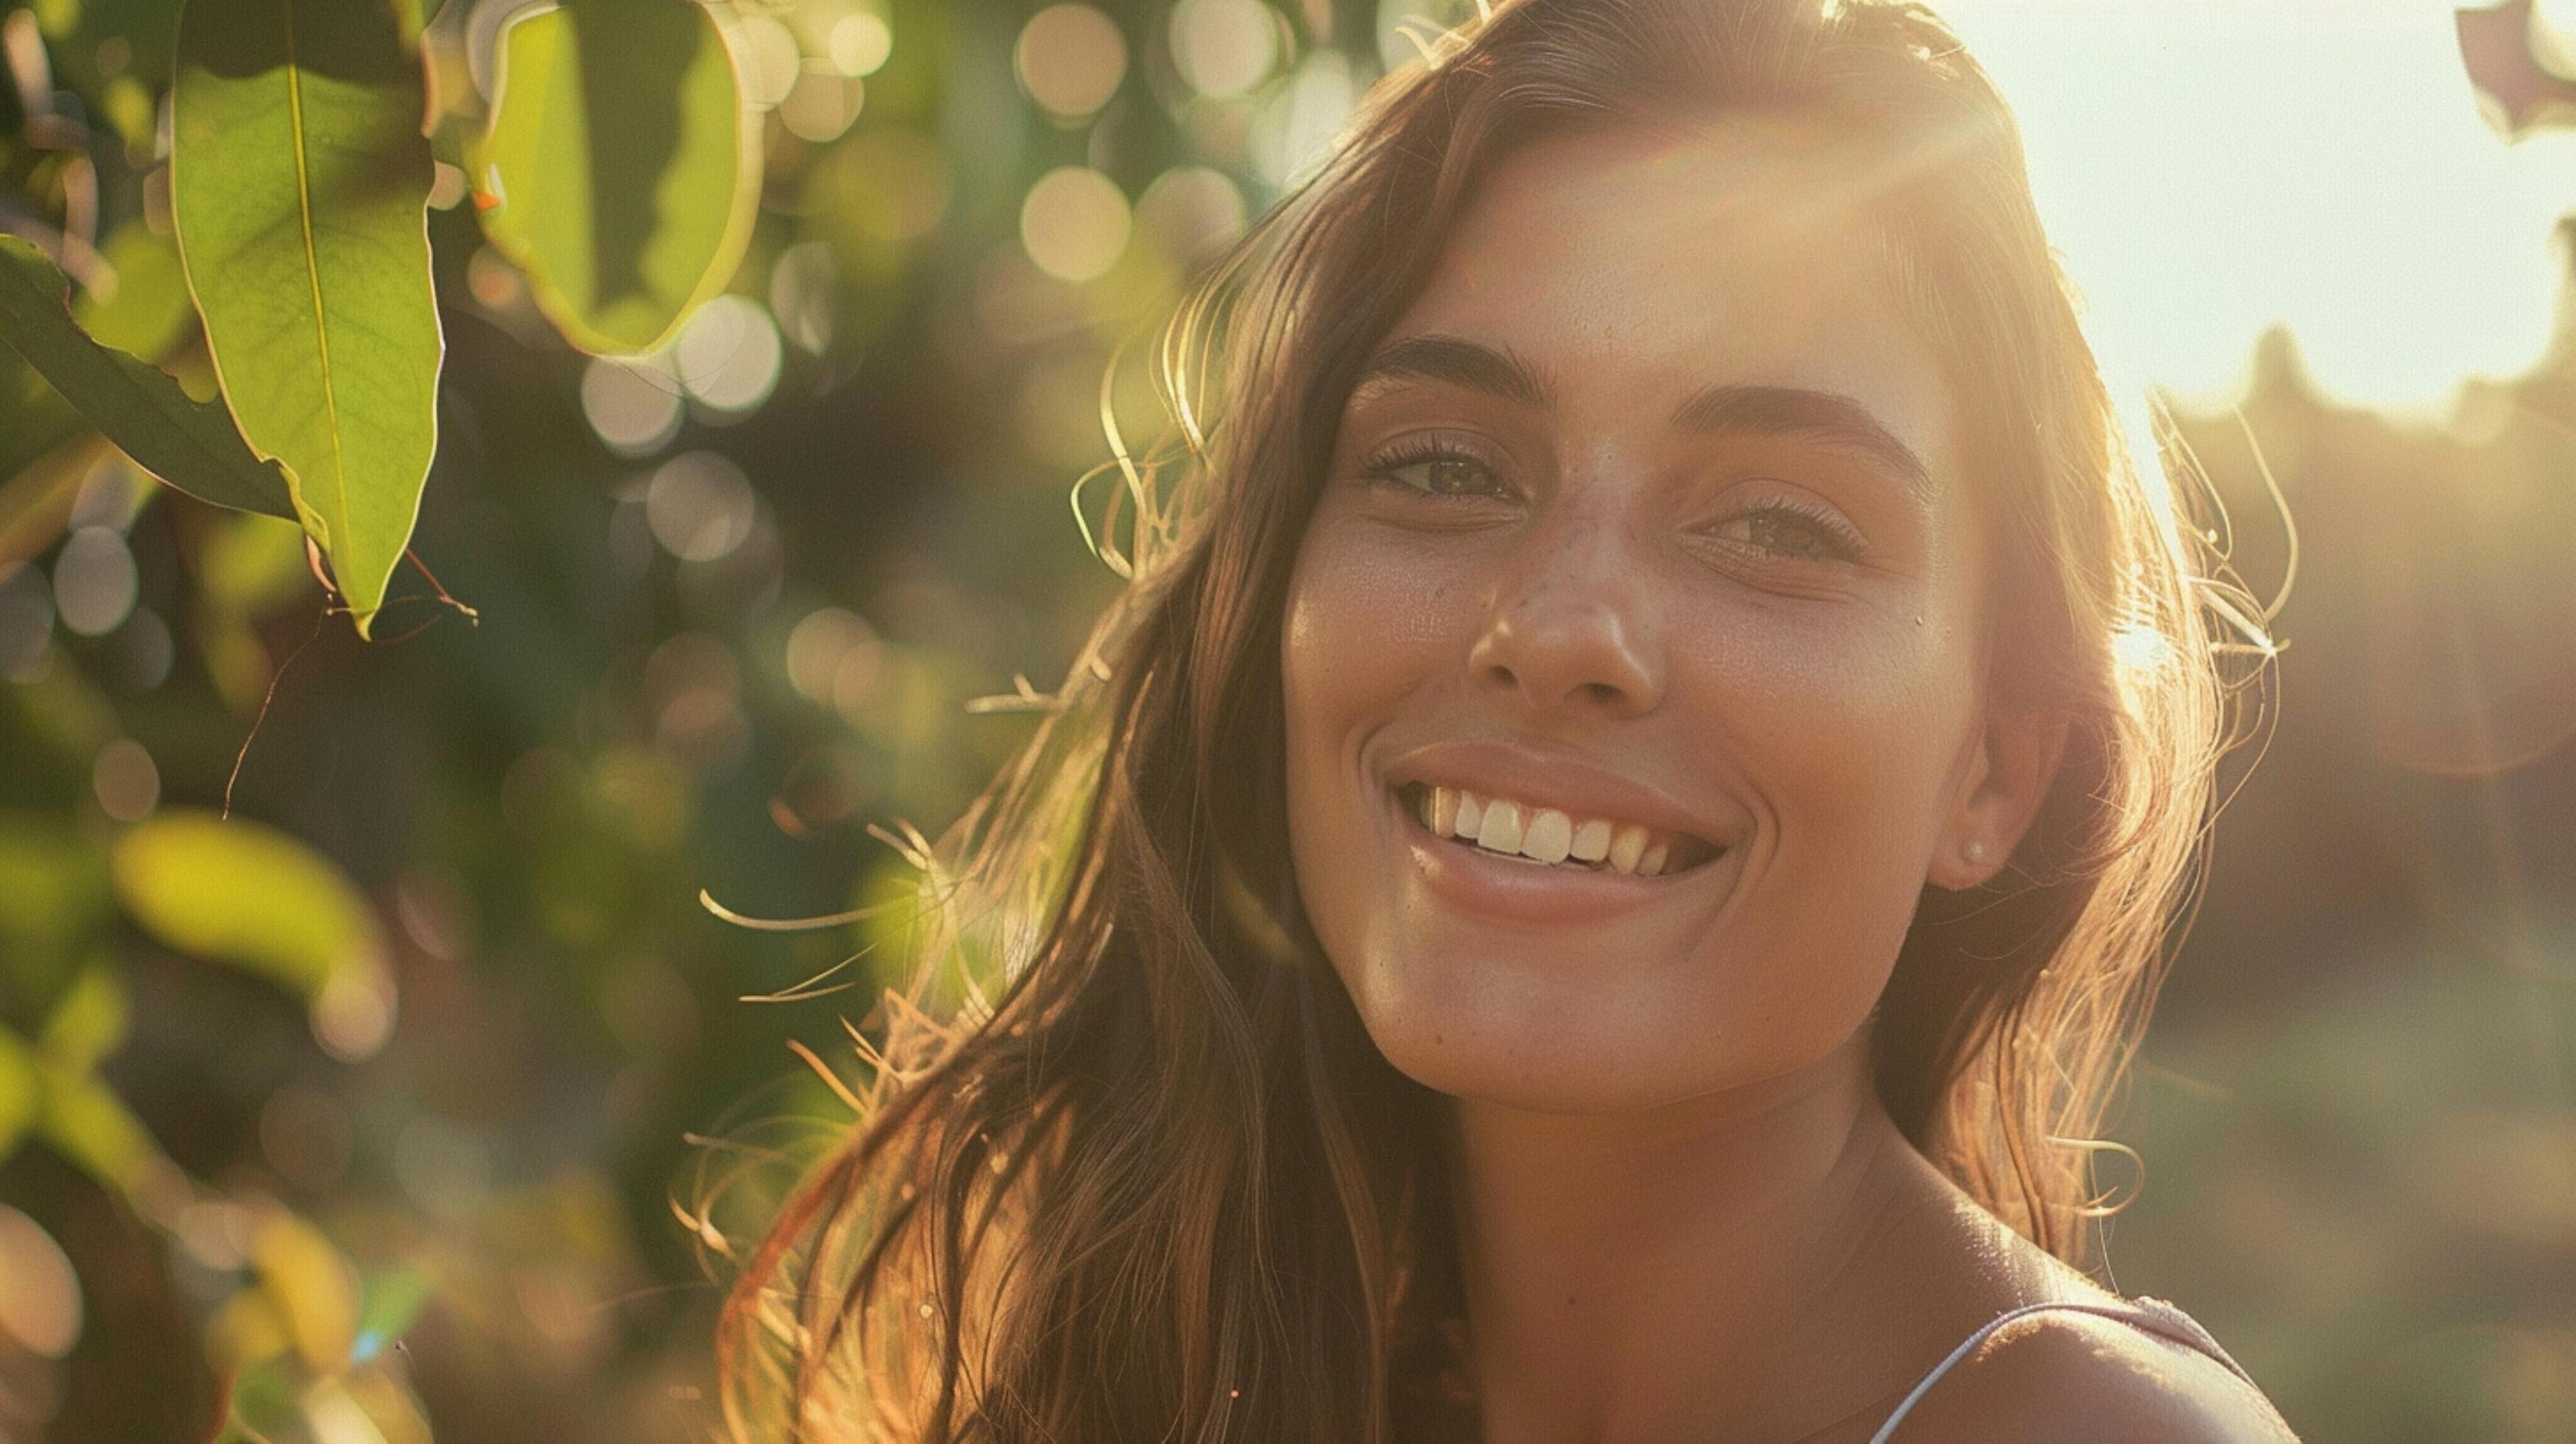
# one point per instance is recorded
(1682, 1210)
(1829, 708)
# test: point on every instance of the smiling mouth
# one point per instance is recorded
(1546, 837)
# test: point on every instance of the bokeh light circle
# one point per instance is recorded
(634, 406)
(767, 60)
(1224, 47)
(145, 651)
(1070, 59)
(804, 294)
(1300, 120)
(822, 105)
(825, 643)
(40, 1296)
(699, 505)
(1074, 223)
(728, 355)
(94, 581)
(1192, 211)
(353, 1015)
(125, 780)
(859, 44)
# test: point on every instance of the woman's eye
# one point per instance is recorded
(1446, 473)
(1785, 532)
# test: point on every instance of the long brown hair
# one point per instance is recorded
(1129, 1168)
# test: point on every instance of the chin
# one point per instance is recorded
(1496, 1035)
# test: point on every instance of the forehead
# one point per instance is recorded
(1634, 266)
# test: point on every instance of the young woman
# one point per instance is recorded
(1597, 882)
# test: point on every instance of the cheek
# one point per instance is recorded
(1366, 622)
(1365, 632)
(1850, 730)
(1860, 722)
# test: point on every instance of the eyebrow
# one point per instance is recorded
(1823, 416)
(1460, 363)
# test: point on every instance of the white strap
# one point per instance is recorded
(2153, 1308)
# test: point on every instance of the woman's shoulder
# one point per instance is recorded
(2110, 1370)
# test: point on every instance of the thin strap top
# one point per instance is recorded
(2156, 1316)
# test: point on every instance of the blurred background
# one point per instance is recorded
(405, 1138)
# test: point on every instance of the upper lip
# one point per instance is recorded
(1551, 777)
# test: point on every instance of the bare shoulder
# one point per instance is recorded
(2062, 1374)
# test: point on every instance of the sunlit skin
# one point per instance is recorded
(1656, 500)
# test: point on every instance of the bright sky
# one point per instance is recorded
(2210, 167)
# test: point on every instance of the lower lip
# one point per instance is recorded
(1474, 880)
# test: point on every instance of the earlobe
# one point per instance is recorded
(2014, 765)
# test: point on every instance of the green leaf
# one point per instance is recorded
(311, 1286)
(89, 1022)
(87, 1123)
(189, 444)
(621, 170)
(34, 417)
(136, 116)
(146, 312)
(300, 188)
(21, 1092)
(251, 896)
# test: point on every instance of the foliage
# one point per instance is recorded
(139, 408)
(620, 167)
(619, 172)
(299, 190)
(517, 292)
(251, 896)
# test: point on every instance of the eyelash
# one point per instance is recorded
(1841, 541)
(1396, 457)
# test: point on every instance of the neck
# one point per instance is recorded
(1636, 1276)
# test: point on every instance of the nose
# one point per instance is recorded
(1571, 627)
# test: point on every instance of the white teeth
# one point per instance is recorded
(1627, 845)
(1470, 818)
(1541, 834)
(1550, 836)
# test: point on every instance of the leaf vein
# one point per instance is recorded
(313, 269)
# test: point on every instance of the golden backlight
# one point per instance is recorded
(2214, 167)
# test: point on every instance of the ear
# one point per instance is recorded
(2012, 761)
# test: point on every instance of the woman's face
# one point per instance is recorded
(1645, 539)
